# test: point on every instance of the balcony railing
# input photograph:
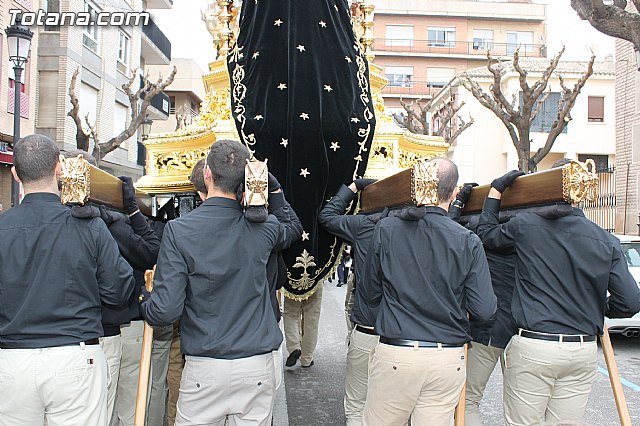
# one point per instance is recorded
(457, 47)
(413, 87)
(157, 37)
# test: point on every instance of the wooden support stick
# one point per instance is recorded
(459, 413)
(614, 377)
(145, 361)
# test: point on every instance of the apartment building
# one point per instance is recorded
(106, 57)
(7, 95)
(185, 94)
(422, 45)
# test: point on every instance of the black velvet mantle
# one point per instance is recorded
(301, 99)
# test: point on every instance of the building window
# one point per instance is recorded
(12, 84)
(602, 161)
(442, 36)
(172, 105)
(596, 109)
(124, 44)
(90, 32)
(439, 77)
(547, 115)
(51, 6)
(399, 76)
(482, 39)
(519, 39)
(399, 35)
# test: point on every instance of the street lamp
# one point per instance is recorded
(19, 44)
(146, 127)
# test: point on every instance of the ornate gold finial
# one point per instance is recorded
(75, 182)
(579, 181)
(424, 183)
(256, 183)
(220, 17)
(367, 39)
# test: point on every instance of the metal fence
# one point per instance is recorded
(602, 210)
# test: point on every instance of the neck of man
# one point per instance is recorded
(444, 206)
(215, 192)
(49, 186)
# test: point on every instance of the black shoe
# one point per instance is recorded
(293, 358)
(307, 366)
(340, 284)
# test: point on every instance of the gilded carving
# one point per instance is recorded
(75, 181)
(215, 107)
(256, 182)
(579, 181)
(424, 183)
(176, 162)
(382, 152)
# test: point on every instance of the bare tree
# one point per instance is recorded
(416, 120)
(139, 100)
(518, 119)
(612, 18)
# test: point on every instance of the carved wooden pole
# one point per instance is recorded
(145, 362)
(614, 378)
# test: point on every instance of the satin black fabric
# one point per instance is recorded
(301, 100)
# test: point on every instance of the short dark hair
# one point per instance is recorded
(73, 153)
(226, 160)
(447, 178)
(197, 176)
(561, 162)
(35, 158)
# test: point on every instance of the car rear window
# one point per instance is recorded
(632, 253)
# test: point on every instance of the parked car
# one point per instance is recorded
(629, 327)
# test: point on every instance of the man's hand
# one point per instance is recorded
(274, 185)
(363, 183)
(506, 180)
(128, 195)
(463, 196)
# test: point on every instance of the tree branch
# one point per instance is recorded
(539, 104)
(567, 102)
(147, 92)
(82, 138)
(612, 20)
(461, 128)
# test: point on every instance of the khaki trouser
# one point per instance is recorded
(125, 405)
(361, 346)
(301, 320)
(176, 364)
(112, 348)
(63, 386)
(424, 383)
(547, 381)
(239, 391)
(158, 389)
(481, 361)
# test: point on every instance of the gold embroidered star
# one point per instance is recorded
(336, 6)
(258, 117)
(355, 120)
(327, 88)
(278, 22)
(348, 59)
(304, 172)
(300, 48)
(358, 158)
(305, 236)
(334, 146)
(323, 24)
(304, 116)
(282, 86)
(284, 142)
(255, 55)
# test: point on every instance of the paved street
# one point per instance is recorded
(314, 395)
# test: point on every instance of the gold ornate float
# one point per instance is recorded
(170, 156)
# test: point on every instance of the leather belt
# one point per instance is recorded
(570, 338)
(366, 330)
(418, 343)
(14, 346)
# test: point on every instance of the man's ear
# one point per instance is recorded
(455, 193)
(208, 175)
(15, 174)
(58, 170)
